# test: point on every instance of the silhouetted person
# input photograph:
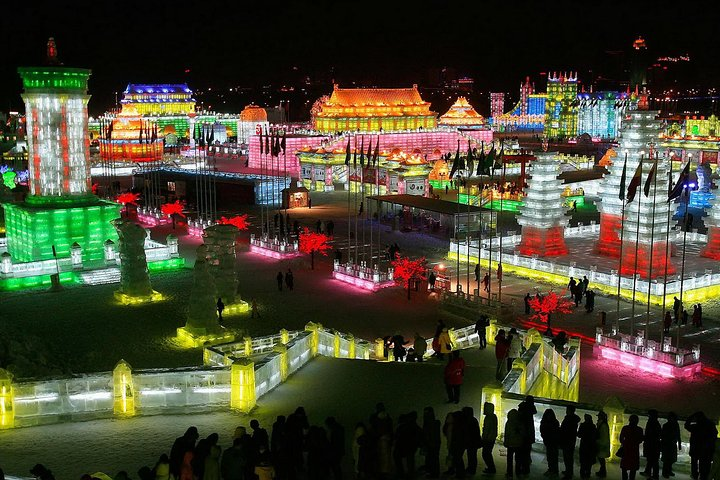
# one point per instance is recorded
(587, 433)
(431, 442)
(631, 436)
(670, 444)
(289, 279)
(568, 438)
(279, 278)
(489, 435)
(550, 433)
(651, 445)
(220, 307)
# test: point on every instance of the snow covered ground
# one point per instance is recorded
(83, 330)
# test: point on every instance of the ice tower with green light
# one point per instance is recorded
(60, 209)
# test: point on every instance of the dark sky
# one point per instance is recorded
(389, 43)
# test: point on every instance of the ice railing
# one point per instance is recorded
(363, 272)
(274, 244)
(540, 354)
(154, 252)
(638, 345)
(618, 416)
(222, 382)
(608, 281)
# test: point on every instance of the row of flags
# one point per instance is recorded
(204, 134)
(148, 131)
(271, 143)
(372, 156)
(485, 162)
(674, 191)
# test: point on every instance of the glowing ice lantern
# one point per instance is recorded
(6, 266)
(282, 351)
(7, 410)
(696, 352)
(76, 256)
(336, 345)
(123, 390)
(242, 385)
(247, 346)
(667, 344)
(615, 411)
(380, 349)
(598, 335)
(109, 250)
(172, 243)
(492, 393)
(314, 329)
(351, 346)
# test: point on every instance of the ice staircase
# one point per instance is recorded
(100, 277)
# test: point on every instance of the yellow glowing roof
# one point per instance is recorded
(461, 113)
(376, 96)
(253, 113)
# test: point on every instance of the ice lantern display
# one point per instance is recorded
(542, 215)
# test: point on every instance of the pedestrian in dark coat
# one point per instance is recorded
(527, 303)
(455, 440)
(603, 443)
(568, 439)
(513, 440)
(527, 411)
(550, 433)
(336, 450)
(702, 444)
(318, 449)
(431, 442)
(587, 433)
(289, 279)
(481, 328)
(279, 278)
(407, 442)
(489, 436)
(631, 436)
(651, 445)
(473, 441)
(670, 444)
(181, 446)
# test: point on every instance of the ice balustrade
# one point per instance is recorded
(154, 252)
(693, 280)
(363, 272)
(274, 244)
(210, 386)
(639, 346)
(618, 415)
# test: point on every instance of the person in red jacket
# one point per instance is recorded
(454, 371)
(502, 348)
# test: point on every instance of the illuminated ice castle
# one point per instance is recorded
(60, 209)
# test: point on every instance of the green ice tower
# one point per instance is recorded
(60, 209)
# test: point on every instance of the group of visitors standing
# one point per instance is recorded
(579, 289)
(681, 315)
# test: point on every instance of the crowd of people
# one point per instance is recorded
(382, 449)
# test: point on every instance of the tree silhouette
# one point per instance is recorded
(311, 242)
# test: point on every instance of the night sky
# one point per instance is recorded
(257, 43)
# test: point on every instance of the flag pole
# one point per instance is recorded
(622, 235)
(652, 238)
(686, 190)
(667, 253)
(500, 251)
(637, 242)
(349, 188)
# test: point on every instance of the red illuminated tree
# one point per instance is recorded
(406, 269)
(175, 208)
(172, 209)
(311, 242)
(240, 221)
(127, 198)
(548, 304)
